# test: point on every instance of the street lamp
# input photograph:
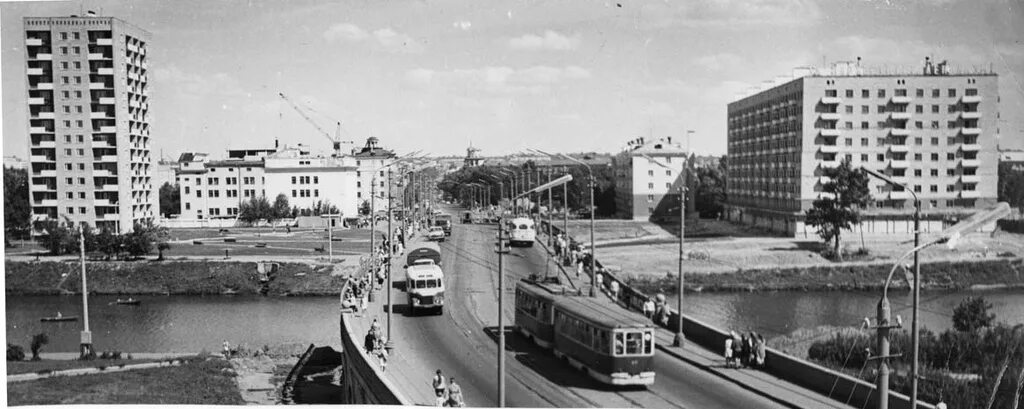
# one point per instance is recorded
(950, 237)
(679, 338)
(593, 246)
(86, 340)
(501, 249)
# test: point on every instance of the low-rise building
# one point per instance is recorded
(309, 180)
(648, 178)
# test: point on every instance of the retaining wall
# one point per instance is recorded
(809, 375)
(364, 384)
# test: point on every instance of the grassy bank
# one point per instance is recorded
(47, 365)
(197, 382)
(168, 277)
(938, 275)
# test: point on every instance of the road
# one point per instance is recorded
(463, 343)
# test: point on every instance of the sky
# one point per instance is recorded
(506, 76)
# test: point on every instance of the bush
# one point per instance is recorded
(15, 352)
(38, 340)
(972, 314)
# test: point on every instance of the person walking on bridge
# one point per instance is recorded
(439, 388)
(455, 394)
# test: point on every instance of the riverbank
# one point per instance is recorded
(944, 275)
(190, 277)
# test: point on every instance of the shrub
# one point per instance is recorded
(972, 314)
(38, 340)
(15, 352)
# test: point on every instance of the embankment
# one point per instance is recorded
(167, 277)
(945, 275)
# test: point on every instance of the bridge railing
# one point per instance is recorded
(835, 385)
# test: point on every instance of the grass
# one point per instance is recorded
(17, 367)
(198, 382)
(191, 277)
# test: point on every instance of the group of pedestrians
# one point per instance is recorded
(746, 351)
(657, 310)
(446, 392)
(374, 342)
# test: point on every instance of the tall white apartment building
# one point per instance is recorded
(88, 121)
(645, 189)
(933, 130)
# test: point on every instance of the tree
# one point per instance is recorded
(279, 210)
(56, 238)
(846, 192)
(364, 208)
(160, 248)
(109, 243)
(143, 237)
(15, 352)
(38, 340)
(170, 199)
(1011, 186)
(972, 314)
(17, 212)
(710, 191)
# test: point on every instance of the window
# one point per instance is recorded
(78, 50)
(668, 172)
(199, 181)
(935, 141)
(81, 210)
(950, 156)
(863, 157)
(917, 188)
(952, 92)
(81, 195)
(81, 166)
(650, 173)
(78, 65)
(668, 185)
(880, 141)
(71, 195)
(849, 109)
(849, 141)
(849, 93)
(935, 109)
(831, 93)
(919, 109)
(950, 172)
(920, 93)
(78, 123)
(918, 124)
(650, 185)
(849, 125)
(78, 94)
(63, 36)
(71, 210)
(64, 79)
(933, 188)
(75, 35)
(64, 50)
(865, 93)
(933, 173)
(293, 193)
(81, 152)
(934, 157)
(917, 172)
(316, 192)
(864, 125)
(935, 124)
(81, 139)
(951, 108)
(67, 152)
(901, 92)
(951, 140)
(78, 109)
(186, 190)
(199, 193)
(880, 157)
(917, 157)
(316, 179)
(188, 206)
(864, 109)
(881, 93)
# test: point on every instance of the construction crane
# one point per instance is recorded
(335, 140)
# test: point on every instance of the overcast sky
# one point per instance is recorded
(507, 75)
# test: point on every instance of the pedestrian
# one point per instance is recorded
(455, 394)
(369, 342)
(728, 350)
(737, 348)
(579, 267)
(649, 308)
(382, 354)
(615, 290)
(744, 351)
(752, 357)
(227, 349)
(439, 388)
(761, 351)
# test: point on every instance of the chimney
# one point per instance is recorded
(668, 139)
(277, 144)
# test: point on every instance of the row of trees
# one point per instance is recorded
(61, 238)
(259, 208)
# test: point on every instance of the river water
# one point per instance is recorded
(193, 323)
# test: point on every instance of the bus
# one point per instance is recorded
(424, 279)
(445, 221)
(425, 250)
(534, 317)
(521, 231)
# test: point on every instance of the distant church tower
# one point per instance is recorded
(471, 159)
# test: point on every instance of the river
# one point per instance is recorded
(193, 323)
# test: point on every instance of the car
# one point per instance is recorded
(436, 233)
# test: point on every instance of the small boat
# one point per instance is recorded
(129, 301)
(229, 292)
(59, 318)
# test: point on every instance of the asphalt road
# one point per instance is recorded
(463, 343)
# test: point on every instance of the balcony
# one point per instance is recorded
(35, 71)
(899, 116)
(970, 178)
(831, 100)
(108, 158)
(45, 144)
(970, 147)
(829, 116)
(825, 132)
(970, 131)
(45, 115)
(970, 114)
(104, 41)
(824, 179)
(899, 131)
(105, 71)
(970, 194)
(901, 100)
(41, 158)
(899, 148)
(970, 163)
(98, 56)
(111, 216)
(899, 164)
(45, 203)
(970, 99)
(901, 195)
(33, 42)
(106, 129)
(44, 85)
(37, 101)
(44, 57)
(829, 162)
(133, 103)
(99, 85)
(40, 217)
(828, 148)
(133, 76)
(39, 187)
(100, 115)
(107, 100)
(106, 188)
(46, 173)
(103, 173)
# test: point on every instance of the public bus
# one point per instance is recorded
(424, 279)
(521, 231)
(534, 310)
(611, 344)
(424, 250)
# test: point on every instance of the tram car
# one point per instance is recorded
(610, 344)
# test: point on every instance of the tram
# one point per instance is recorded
(610, 344)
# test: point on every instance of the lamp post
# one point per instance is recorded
(86, 340)
(330, 238)
(679, 338)
(593, 247)
(501, 249)
(915, 336)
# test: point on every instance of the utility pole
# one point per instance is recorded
(551, 207)
(915, 338)
(86, 344)
(389, 345)
(500, 249)
(679, 338)
(882, 385)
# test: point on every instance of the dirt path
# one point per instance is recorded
(260, 375)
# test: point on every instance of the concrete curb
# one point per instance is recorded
(32, 376)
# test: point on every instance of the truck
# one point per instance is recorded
(424, 279)
(445, 222)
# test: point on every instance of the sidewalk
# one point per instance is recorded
(759, 382)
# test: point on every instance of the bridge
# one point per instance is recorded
(462, 342)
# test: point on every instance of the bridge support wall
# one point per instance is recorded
(364, 383)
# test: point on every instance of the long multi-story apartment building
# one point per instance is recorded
(648, 176)
(88, 121)
(934, 131)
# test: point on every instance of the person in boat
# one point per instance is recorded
(59, 315)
